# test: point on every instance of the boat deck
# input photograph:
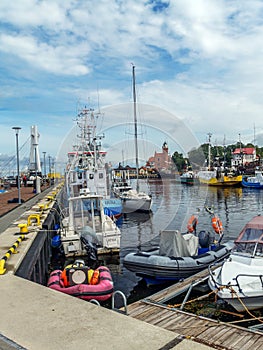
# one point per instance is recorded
(210, 332)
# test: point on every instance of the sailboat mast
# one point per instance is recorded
(135, 127)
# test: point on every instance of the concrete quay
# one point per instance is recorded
(35, 317)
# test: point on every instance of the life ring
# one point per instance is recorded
(192, 222)
(217, 224)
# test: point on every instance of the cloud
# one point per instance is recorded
(198, 60)
(58, 60)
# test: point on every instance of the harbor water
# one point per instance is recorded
(173, 204)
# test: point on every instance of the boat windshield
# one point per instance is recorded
(250, 241)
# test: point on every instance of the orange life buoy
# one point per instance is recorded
(95, 277)
(192, 222)
(217, 224)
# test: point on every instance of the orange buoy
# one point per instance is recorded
(217, 224)
(192, 222)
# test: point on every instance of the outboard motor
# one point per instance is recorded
(90, 247)
(204, 239)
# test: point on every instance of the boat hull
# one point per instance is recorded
(239, 282)
(211, 178)
(163, 268)
(251, 184)
(100, 292)
(112, 207)
(226, 181)
(131, 205)
(187, 180)
(239, 301)
(135, 201)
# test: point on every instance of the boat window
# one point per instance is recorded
(251, 234)
(248, 248)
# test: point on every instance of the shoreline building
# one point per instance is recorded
(161, 161)
(243, 156)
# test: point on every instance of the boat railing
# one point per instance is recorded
(237, 283)
(211, 268)
(260, 277)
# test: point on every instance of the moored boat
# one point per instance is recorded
(255, 181)
(179, 255)
(135, 199)
(86, 166)
(82, 282)
(85, 223)
(239, 281)
(187, 178)
(219, 178)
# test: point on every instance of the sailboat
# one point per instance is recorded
(134, 199)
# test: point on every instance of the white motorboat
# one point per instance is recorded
(85, 223)
(239, 281)
(135, 200)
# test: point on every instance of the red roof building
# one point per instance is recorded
(161, 160)
(243, 156)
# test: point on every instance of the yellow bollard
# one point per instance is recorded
(23, 228)
(33, 216)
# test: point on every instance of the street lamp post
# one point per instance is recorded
(49, 165)
(44, 153)
(17, 128)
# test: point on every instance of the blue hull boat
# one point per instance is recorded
(253, 181)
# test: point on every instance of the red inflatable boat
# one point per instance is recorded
(100, 286)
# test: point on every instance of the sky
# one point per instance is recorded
(198, 71)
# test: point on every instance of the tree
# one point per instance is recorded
(179, 161)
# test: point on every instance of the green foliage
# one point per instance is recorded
(219, 155)
(180, 162)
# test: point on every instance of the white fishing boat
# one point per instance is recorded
(134, 199)
(239, 281)
(86, 166)
(89, 219)
(86, 225)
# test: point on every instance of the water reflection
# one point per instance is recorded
(173, 204)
